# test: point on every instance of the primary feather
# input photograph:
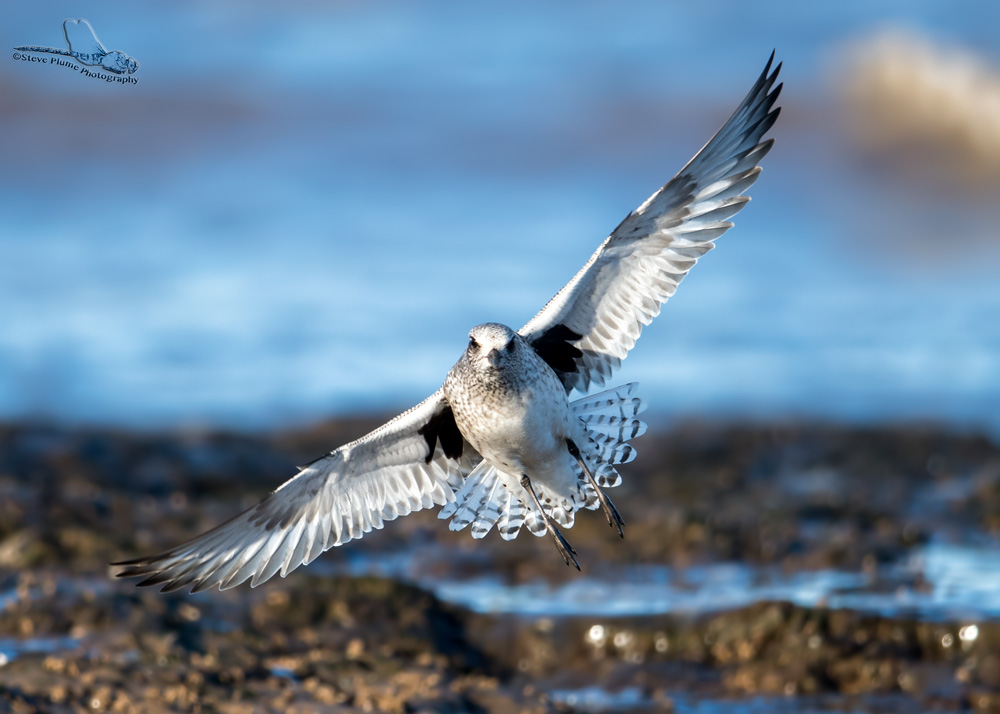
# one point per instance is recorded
(638, 267)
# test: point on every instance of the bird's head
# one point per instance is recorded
(492, 346)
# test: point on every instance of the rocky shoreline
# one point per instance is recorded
(365, 630)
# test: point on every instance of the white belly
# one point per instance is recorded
(522, 431)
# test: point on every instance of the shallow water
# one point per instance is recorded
(633, 699)
(599, 699)
(940, 581)
(11, 648)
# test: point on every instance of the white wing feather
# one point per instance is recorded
(602, 310)
(335, 499)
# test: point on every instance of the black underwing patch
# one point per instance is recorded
(556, 348)
(442, 429)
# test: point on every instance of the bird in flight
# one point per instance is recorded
(500, 443)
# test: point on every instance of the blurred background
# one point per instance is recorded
(299, 211)
(283, 232)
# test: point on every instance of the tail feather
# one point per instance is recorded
(611, 419)
(611, 401)
(512, 519)
(607, 476)
(486, 499)
(474, 501)
(620, 453)
(615, 426)
(534, 523)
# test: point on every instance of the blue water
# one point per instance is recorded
(300, 210)
(11, 648)
(634, 699)
(942, 581)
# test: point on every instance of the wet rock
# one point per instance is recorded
(789, 496)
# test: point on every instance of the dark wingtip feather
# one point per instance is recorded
(767, 67)
(133, 568)
(173, 586)
(201, 585)
(157, 578)
(127, 563)
(150, 568)
(765, 124)
(763, 148)
(773, 116)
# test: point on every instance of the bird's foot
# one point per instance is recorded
(566, 550)
(563, 546)
(612, 514)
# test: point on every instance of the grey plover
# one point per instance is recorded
(500, 443)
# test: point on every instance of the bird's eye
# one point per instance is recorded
(472, 343)
(509, 346)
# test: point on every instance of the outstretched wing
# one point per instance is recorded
(587, 329)
(415, 461)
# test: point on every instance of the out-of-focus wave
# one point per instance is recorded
(920, 130)
(930, 107)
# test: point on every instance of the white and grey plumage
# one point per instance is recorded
(500, 444)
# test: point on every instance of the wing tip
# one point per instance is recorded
(128, 563)
(768, 73)
(155, 576)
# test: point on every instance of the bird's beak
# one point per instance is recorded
(494, 357)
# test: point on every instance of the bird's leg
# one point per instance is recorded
(562, 545)
(614, 518)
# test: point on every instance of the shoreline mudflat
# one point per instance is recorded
(817, 566)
